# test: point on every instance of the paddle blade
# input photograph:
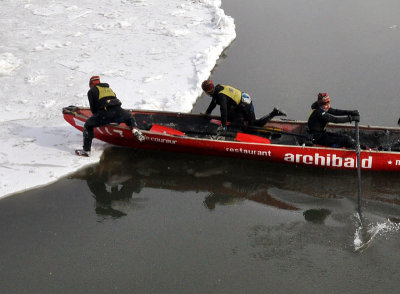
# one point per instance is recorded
(241, 137)
(165, 130)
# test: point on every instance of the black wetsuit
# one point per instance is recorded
(318, 120)
(105, 109)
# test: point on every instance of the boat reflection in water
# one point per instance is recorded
(117, 181)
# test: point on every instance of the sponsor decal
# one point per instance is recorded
(120, 132)
(249, 151)
(328, 160)
(78, 122)
(160, 140)
(110, 132)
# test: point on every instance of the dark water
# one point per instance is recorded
(288, 51)
(153, 222)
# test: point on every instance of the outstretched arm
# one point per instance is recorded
(338, 119)
(343, 112)
(211, 107)
(223, 103)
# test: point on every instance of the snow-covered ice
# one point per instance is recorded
(153, 53)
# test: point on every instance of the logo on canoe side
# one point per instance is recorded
(249, 151)
(161, 140)
(328, 160)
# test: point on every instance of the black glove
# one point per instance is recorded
(354, 112)
(354, 118)
(221, 129)
(138, 134)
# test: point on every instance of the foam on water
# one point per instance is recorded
(365, 234)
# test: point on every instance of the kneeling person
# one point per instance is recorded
(235, 105)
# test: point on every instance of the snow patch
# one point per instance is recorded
(9, 64)
(153, 53)
(151, 79)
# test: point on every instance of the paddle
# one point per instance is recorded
(358, 169)
(277, 131)
(263, 129)
(239, 137)
(166, 130)
(364, 234)
(242, 137)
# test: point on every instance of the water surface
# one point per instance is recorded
(288, 51)
(154, 222)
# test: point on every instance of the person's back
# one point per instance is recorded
(102, 96)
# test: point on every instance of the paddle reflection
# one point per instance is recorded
(120, 176)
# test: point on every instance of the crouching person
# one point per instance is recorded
(106, 108)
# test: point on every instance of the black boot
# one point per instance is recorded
(277, 112)
(88, 135)
(81, 152)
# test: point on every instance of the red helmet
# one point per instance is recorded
(94, 80)
(323, 98)
(207, 86)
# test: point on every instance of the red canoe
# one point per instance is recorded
(282, 141)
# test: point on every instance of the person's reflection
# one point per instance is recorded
(123, 172)
(261, 196)
(316, 216)
(212, 199)
(106, 193)
(112, 186)
(118, 180)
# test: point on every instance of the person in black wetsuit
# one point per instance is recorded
(235, 106)
(106, 108)
(322, 114)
